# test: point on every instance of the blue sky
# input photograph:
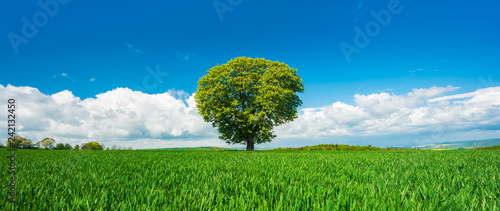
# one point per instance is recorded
(94, 47)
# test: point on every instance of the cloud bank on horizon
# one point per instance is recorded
(132, 118)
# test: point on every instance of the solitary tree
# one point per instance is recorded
(246, 98)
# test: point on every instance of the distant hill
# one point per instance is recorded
(497, 147)
(342, 147)
(459, 144)
(195, 148)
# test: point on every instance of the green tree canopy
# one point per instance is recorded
(14, 142)
(96, 145)
(92, 146)
(60, 146)
(246, 98)
(19, 142)
(67, 146)
(27, 144)
(48, 142)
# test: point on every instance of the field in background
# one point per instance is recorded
(195, 148)
(458, 145)
(267, 180)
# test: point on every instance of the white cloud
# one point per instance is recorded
(130, 118)
(432, 92)
(119, 115)
(418, 112)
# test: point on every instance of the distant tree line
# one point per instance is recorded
(342, 147)
(114, 147)
(48, 143)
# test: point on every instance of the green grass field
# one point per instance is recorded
(266, 180)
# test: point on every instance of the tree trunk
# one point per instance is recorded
(250, 145)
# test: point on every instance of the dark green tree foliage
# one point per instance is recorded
(67, 146)
(246, 98)
(60, 146)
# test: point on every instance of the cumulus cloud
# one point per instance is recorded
(115, 116)
(421, 111)
(131, 118)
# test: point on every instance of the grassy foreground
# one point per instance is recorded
(239, 180)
